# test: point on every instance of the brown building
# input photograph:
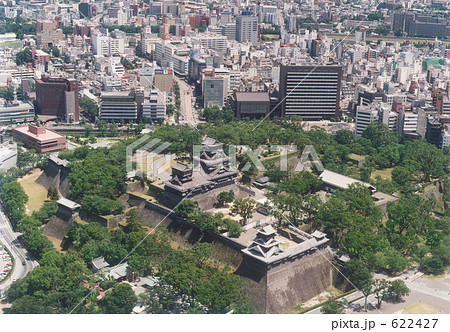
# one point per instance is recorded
(48, 34)
(58, 97)
(39, 138)
(253, 105)
(438, 99)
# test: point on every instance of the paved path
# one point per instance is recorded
(433, 292)
(187, 114)
(23, 263)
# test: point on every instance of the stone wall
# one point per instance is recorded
(297, 281)
(55, 176)
(274, 290)
(278, 289)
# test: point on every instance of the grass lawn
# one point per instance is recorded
(17, 44)
(37, 194)
(421, 308)
(384, 173)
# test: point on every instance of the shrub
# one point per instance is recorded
(102, 206)
(432, 265)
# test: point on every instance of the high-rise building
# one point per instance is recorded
(103, 44)
(402, 20)
(313, 92)
(58, 97)
(365, 115)
(48, 34)
(85, 9)
(214, 91)
(229, 31)
(247, 28)
(434, 131)
(428, 26)
(408, 122)
(438, 99)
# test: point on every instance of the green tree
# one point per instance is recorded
(134, 221)
(23, 57)
(401, 175)
(187, 208)
(432, 265)
(127, 64)
(382, 30)
(155, 28)
(225, 197)
(88, 106)
(360, 277)
(334, 306)
(408, 219)
(425, 158)
(7, 93)
(14, 199)
(244, 207)
(52, 194)
(27, 223)
(379, 135)
(160, 300)
(380, 288)
(398, 32)
(55, 51)
(36, 243)
(396, 290)
(102, 206)
(233, 228)
(120, 300)
(344, 136)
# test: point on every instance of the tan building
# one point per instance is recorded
(48, 34)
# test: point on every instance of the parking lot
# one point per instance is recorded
(5, 263)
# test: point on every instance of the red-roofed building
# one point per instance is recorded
(39, 138)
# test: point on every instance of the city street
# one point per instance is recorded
(23, 264)
(187, 113)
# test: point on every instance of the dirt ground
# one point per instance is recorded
(37, 194)
(322, 297)
(384, 173)
(421, 308)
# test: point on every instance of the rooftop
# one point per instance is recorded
(252, 96)
(99, 263)
(68, 203)
(340, 181)
(44, 135)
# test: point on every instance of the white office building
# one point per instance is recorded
(155, 107)
(365, 115)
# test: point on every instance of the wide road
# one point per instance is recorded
(187, 113)
(23, 263)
